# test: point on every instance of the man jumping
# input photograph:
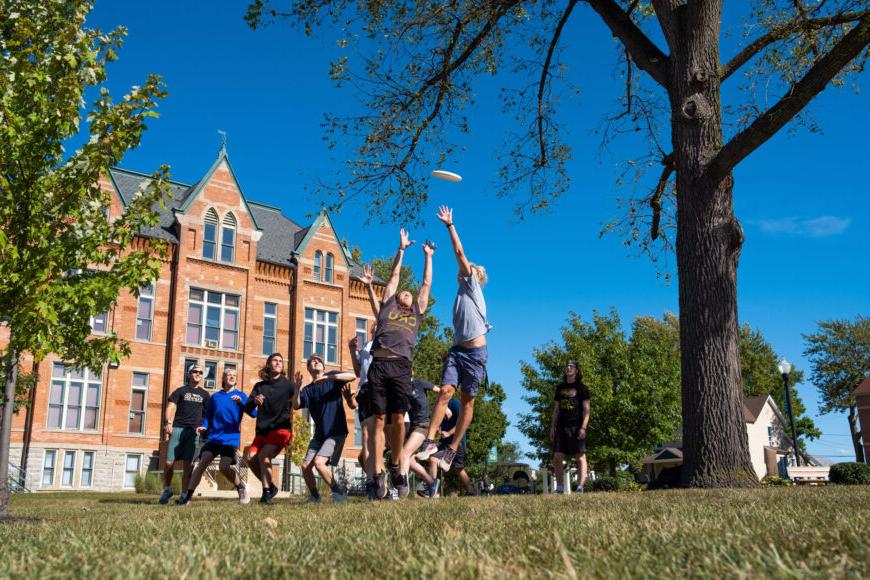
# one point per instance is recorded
(389, 375)
(466, 362)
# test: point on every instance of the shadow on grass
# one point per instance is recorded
(130, 501)
(9, 520)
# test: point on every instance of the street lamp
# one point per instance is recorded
(785, 369)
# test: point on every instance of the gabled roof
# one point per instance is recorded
(752, 407)
(863, 388)
(313, 228)
(128, 183)
(278, 243)
(666, 455)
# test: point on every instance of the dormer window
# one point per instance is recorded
(330, 263)
(209, 237)
(318, 265)
(228, 238)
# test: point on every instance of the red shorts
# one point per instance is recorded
(280, 437)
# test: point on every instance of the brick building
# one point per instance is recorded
(242, 281)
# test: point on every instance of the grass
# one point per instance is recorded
(774, 532)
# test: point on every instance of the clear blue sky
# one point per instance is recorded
(802, 198)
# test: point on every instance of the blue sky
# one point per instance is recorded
(802, 198)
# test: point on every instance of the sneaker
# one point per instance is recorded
(579, 489)
(427, 448)
(243, 496)
(339, 495)
(445, 458)
(370, 489)
(393, 494)
(423, 489)
(559, 490)
(268, 494)
(401, 484)
(183, 499)
(165, 497)
(380, 485)
(433, 489)
(312, 499)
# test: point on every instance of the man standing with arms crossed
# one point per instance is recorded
(389, 376)
(184, 411)
(466, 362)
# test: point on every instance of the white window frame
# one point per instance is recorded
(311, 322)
(210, 219)
(93, 320)
(329, 270)
(274, 337)
(45, 455)
(229, 225)
(206, 367)
(318, 266)
(65, 382)
(134, 388)
(71, 470)
(89, 470)
(128, 471)
(146, 295)
(203, 326)
(362, 333)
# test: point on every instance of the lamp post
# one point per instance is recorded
(785, 369)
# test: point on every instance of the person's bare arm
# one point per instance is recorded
(586, 407)
(553, 421)
(297, 382)
(426, 288)
(367, 278)
(393, 284)
(342, 376)
(170, 416)
(353, 345)
(445, 214)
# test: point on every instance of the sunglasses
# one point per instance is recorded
(196, 372)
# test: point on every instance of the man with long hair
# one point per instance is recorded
(390, 373)
(184, 411)
(466, 362)
(570, 419)
(221, 426)
(274, 398)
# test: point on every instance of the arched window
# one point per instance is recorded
(318, 265)
(228, 238)
(209, 237)
(330, 262)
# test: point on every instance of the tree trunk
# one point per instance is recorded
(856, 435)
(709, 240)
(6, 431)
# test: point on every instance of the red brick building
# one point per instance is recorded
(243, 280)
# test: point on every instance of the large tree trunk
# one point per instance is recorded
(6, 432)
(856, 435)
(709, 239)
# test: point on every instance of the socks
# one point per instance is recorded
(240, 487)
(314, 493)
(335, 487)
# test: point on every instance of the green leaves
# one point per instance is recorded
(839, 352)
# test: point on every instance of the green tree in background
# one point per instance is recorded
(839, 352)
(62, 259)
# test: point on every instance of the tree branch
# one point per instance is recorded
(655, 202)
(782, 32)
(801, 93)
(644, 52)
(545, 73)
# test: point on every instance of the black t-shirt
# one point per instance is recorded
(190, 405)
(570, 397)
(275, 412)
(419, 402)
(397, 328)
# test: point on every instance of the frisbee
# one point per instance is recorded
(446, 175)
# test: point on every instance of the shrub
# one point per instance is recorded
(850, 474)
(774, 481)
(603, 483)
(152, 482)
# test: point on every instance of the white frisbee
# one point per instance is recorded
(446, 175)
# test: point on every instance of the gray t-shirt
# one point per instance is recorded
(397, 328)
(469, 311)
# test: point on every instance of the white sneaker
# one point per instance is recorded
(243, 496)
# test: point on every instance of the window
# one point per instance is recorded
(229, 367)
(362, 327)
(145, 312)
(270, 324)
(210, 375)
(74, 399)
(189, 362)
(213, 319)
(318, 265)
(100, 322)
(138, 399)
(321, 334)
(131, 470)
(209, 236)
(48, 467)
(87, 478)
(330, 265)
(69, 468)
(228, 238)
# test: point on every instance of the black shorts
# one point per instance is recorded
(219, 450)
(363, 406)
(568, 440)
(389, 385)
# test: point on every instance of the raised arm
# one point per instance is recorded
(297, 382)
(445, 214)
(353, 345)
(367, 278)
(423, 294)
(393, 284)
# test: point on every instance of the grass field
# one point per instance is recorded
(778, 532)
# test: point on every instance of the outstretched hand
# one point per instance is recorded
(445, 214)
(404, 240)
(297, 379)
(368, 275)
(428, 248)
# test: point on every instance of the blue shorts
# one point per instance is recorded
(465, 368)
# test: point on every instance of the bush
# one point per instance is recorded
(774, 481)
(850, 474)
(152, 482)
(603, 483)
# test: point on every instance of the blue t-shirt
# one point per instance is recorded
(448, 424)
(223, 417)
(324, 403)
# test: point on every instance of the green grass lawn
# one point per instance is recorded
(779, 532)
